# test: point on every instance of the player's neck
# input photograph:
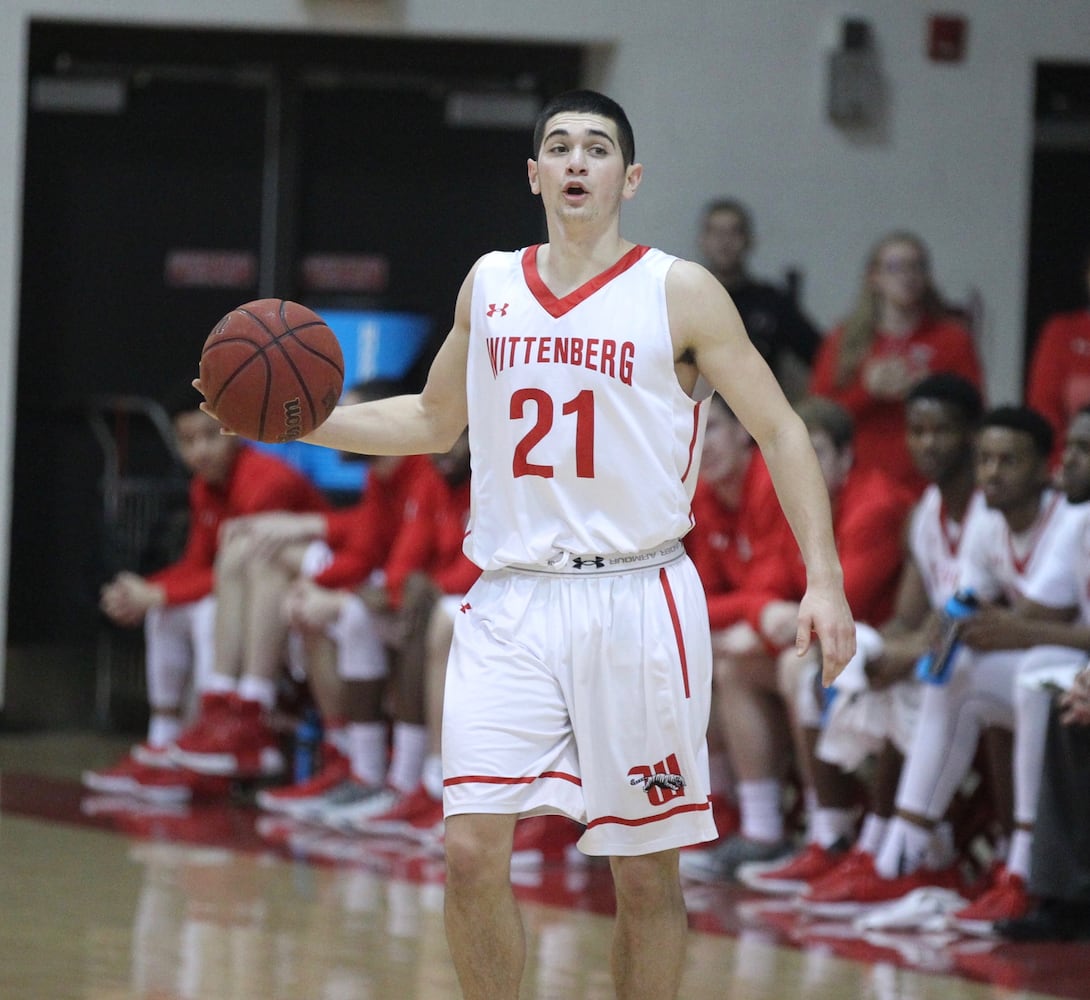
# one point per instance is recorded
(571, 259)
(1023, 516)
(957, 491)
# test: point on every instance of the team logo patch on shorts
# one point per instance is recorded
(662, 781)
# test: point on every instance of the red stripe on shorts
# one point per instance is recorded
(495, 779)
(644, 820)
(672, 605)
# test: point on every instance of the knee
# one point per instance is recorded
(478, 849)
(645, 882)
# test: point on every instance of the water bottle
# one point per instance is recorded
(308, 742)
(934, 666)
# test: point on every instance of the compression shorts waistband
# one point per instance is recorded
(570, 564)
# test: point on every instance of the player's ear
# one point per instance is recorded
(632, 178)
(531, 173)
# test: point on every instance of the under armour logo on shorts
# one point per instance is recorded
(596, 561)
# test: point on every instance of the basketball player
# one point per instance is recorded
(1003, 561)
(579, 677)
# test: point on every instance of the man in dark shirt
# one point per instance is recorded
(786, 339)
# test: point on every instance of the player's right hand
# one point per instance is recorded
(206, 407)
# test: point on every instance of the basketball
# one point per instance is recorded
(271, 370)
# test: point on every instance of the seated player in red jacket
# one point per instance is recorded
(176, 604)
(761, 687)
(261, 559)
(425, 574)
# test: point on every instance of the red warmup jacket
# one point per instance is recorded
(258, 482)
(430, 539)
(1059, 374)
(934, 346)
(362, 536)
(725, 544)
(869, 515)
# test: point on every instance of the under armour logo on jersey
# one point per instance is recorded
(493, 309)
(596, 561)
(465, 607)
(662, 781)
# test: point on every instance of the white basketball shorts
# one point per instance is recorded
(585, 692)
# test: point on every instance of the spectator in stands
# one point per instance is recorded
(756, 689)
(176, 604)
(898, 331)
(875, 702)
(1004, 559)
(786, 339)
(1059, 371)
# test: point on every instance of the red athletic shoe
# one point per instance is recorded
(214, 707)
(1006, 899)
(239, 744)
(795, 874)
(844, 893)
(415, 815)
(542, 840)
(302, 798)
(151, 756)
(163, 786)
(118, 779)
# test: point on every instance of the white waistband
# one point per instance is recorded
(570, 564)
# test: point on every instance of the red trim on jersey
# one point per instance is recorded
(557, 307)
(657, 818)
(1036, 530)
(692, 441)
(492, 779)
(672, 605)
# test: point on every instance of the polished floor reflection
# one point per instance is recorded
(103, 900)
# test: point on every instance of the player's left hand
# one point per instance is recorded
(824, 613)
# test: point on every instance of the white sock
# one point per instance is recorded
(762, 813)
(217, 683)
(827, 826)
(1019, 854)
(163, 729)
(432, 775)
(872, 834)
(407, 759)
(904, 849)
(336, 735)
(367, 751)
(259, 689)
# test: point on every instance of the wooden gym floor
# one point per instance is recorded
(100, 901)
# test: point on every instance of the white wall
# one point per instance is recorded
(727, 97)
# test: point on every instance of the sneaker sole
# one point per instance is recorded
(225, 765)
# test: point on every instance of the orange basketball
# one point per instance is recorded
(272, 370)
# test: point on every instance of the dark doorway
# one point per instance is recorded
(1060, 195)
(266, 147)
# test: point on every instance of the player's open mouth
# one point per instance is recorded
(575, 190)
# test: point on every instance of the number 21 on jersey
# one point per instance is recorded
(538, 405)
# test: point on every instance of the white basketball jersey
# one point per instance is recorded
(582, 440)
(1064, 580)
(998, 563)
(935, 541)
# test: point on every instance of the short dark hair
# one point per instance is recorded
(738, 208)
(1023, 419)
(819, 413)
(592, 103)
(951, 389)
